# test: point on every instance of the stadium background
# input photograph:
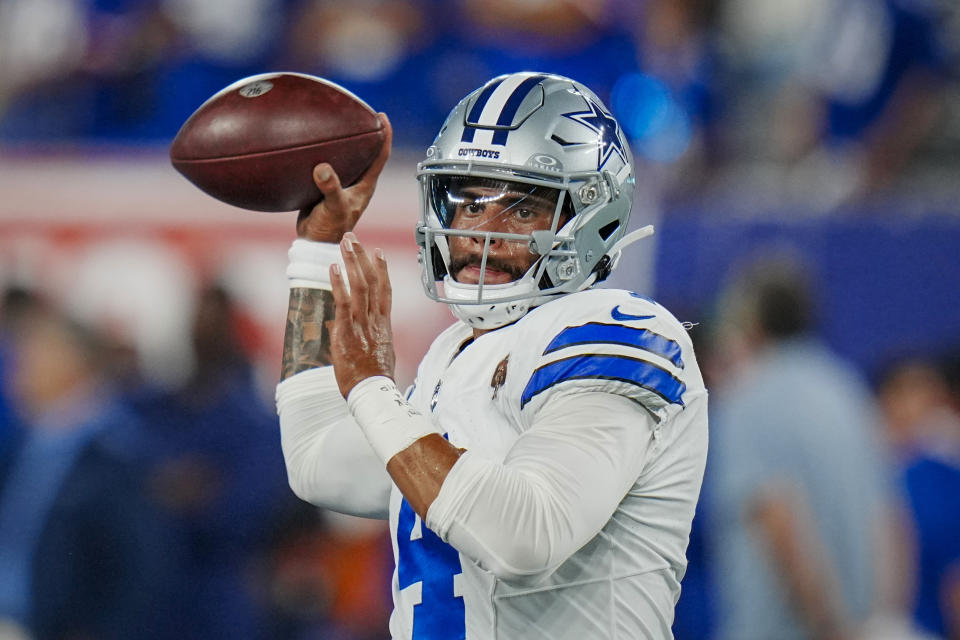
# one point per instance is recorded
(825, 128)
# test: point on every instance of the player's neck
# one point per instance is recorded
(479, 332)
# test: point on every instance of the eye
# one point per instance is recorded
(526, 214)
(473, 208)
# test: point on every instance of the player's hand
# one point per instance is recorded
(340, 208)
(361, 338)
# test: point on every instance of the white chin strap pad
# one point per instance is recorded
(489, 314)
(492, 313)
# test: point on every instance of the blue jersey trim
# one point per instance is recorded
(640, 296)
(601, 367)
(600, 333)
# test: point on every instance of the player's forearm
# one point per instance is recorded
(329, 462)
(409, 445)
(523, 517)
(420, 469)
(896, 555)
(306, 342)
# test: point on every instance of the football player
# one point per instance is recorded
(541, 475)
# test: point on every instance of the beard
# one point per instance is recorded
(457, 264)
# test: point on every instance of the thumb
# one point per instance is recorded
(328, 182)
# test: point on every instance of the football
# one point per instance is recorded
(254, 144)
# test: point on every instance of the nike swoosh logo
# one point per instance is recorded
(622, 317)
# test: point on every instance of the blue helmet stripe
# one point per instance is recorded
(474, 116)
(511, 107)
(597, 367)
(598, 332)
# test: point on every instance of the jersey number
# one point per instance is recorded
(433, 563)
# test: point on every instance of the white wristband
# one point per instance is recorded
(389, 422)
(310, 262)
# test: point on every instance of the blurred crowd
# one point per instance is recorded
(129, 511)
(821, 102)
(831, 506)
(830, 509)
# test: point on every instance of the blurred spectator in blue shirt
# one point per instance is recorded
(923, 425)
(218, 475)
(208, 46)
(802, 509)
(125, 70)
(415, 60)
(836, 100)
(82, 554)
(879, 69)
(14, 301)
(592, 42)
(78, 69)
(385, 51)
(669, 104)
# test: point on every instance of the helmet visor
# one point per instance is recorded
(469, 203)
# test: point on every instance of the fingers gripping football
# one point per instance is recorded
(361, 338)
(340, 208)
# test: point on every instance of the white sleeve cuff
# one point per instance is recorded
(329, 461)
(465, 473)
(310, 262)
(312, 390)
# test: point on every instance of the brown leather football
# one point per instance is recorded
(254, 144)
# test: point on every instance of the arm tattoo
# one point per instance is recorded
(306, 343)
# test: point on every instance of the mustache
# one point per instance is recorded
(494, 264)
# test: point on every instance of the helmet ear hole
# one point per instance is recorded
(545, 281)
(608, 229)
(603, 268)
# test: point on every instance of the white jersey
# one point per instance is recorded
(491, 397)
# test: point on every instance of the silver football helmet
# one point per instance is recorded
(521, 138)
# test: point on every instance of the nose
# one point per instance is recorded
(486, 224)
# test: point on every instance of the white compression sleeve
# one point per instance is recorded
(329, 462)
(558, 486)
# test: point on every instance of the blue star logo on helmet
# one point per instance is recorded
(607, 129)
